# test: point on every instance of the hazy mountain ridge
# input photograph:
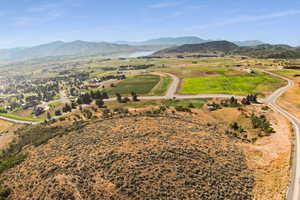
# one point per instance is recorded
(248, 43)
(185, 44)
(75, 48)
(185, 40)
(168, 41)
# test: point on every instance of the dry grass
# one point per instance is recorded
(4, 125)
(114, 158)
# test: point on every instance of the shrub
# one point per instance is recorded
(182, 109)
(265, 108)
(58, 113)
(4, 193)
(10, 162)
(262, 123)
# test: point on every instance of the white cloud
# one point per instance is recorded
(166, 4)
(33, 20)
(43, 7)
(244, 19)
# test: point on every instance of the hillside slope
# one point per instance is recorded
(135, 158)
(209, 47)
(229, 48)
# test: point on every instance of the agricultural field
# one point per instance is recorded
(241, 85)
(161, 88)
(141, 84)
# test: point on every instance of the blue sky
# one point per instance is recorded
(32, 22)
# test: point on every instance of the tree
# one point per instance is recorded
(125, 100)
(58, 113)
(119, 98)
(98, 95)
(252, 98)
(134, 96)
(93, 95)
(73, 105)
(105, 95)
(100, 103)
(233, 102)
(86, 98)
(80, 100)
(48, 116)
(245, 101)
(67, 108)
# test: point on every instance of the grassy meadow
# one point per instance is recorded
(240, 85)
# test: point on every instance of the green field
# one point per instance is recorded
(241, 85)
(287, 72)
(141, 84)
(163, 86)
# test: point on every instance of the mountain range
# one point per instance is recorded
(75, 48)
(185, 40)
(230, 48)
(83, 48)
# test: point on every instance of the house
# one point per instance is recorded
(29, 105)
(250, 71)
(38, 111)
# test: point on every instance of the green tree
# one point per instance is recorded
(100, 103)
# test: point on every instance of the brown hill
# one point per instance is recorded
(166, 157)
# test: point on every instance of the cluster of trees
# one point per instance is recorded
(121, 99)
(251, 98)
(182, 109)
(135, 67)
(262, 123)
(44, 92)
(232, 102)
(88, 98)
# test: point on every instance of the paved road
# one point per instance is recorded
(294, 189)
(17, 121)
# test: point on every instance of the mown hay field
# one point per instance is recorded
(141, 84)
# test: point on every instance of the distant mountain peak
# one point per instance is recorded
(186, 40)
(249, 43)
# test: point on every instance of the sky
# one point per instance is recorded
(33, 22)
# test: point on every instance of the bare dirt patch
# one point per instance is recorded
(6, 133)
(270, 157)
(193, 73)
(4, 125)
